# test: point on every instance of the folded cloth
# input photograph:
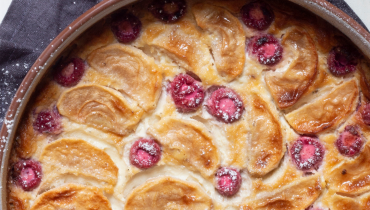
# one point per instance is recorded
(29, 26)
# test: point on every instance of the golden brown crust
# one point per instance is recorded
(336, 201)
(128, 69)
(168, 193)
(332, 155)
(182, 43)
(99, 107)
(75, 156)
(326, 112)
(233, 6)
(18, 200)
(186, 142)
(298, 196)
(288, 86)
(226, 38)
(352, 175)
(236, 134)
(72, 196)
(288, 176)
(25, 144)
(288, 14)
(265, 147)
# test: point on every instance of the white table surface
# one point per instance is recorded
(361, 8)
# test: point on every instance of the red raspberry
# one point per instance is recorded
(307, 153)
(226, 105)
(27, 174)
(126, 27)
(168, 11)
(257, 15)
(228, 181)
(186, 92)
(266, 48)
(365, 114)
(349, 142)
(145, 153)
(314, 208)
(48, 121)
(342, 60)
(70, 73)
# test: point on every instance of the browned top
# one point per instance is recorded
(126, 68)
(336, 201)
(72, 196)
(100, 107)
(187, 142)
(295, 197)
(265, 147)
(168, 193)
(182, 43)
(327, 111)
(226, 37)
(287, 86)
(75, 156)
(355, 179)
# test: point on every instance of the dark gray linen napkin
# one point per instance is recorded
(30, 25)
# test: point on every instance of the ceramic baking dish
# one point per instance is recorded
(359, 36)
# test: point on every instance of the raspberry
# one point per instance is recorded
(48, 121)
(126, 27)
(266, 48)
(27, 174)
(365, 114)
(342, 60)
(313, 208)
(226, 105)
(257, 15)
(168, 11)
(228, 181)
(187, 93)
(69, 74)
(307, 153)
(145, 153)
(349, 142)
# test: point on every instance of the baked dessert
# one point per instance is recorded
(174, 104)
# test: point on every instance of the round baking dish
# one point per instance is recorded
(359, 36)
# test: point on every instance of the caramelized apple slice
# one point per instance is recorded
(228, 40)
(265, 148)
(289, 85)
(186, 142)
(99, 107)
(130, 70)
(340, 202)
(73, 156)
(72, 196)
(297, 196)
(327, 111)
(182, 43)
(352, 176)
(168, 193)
